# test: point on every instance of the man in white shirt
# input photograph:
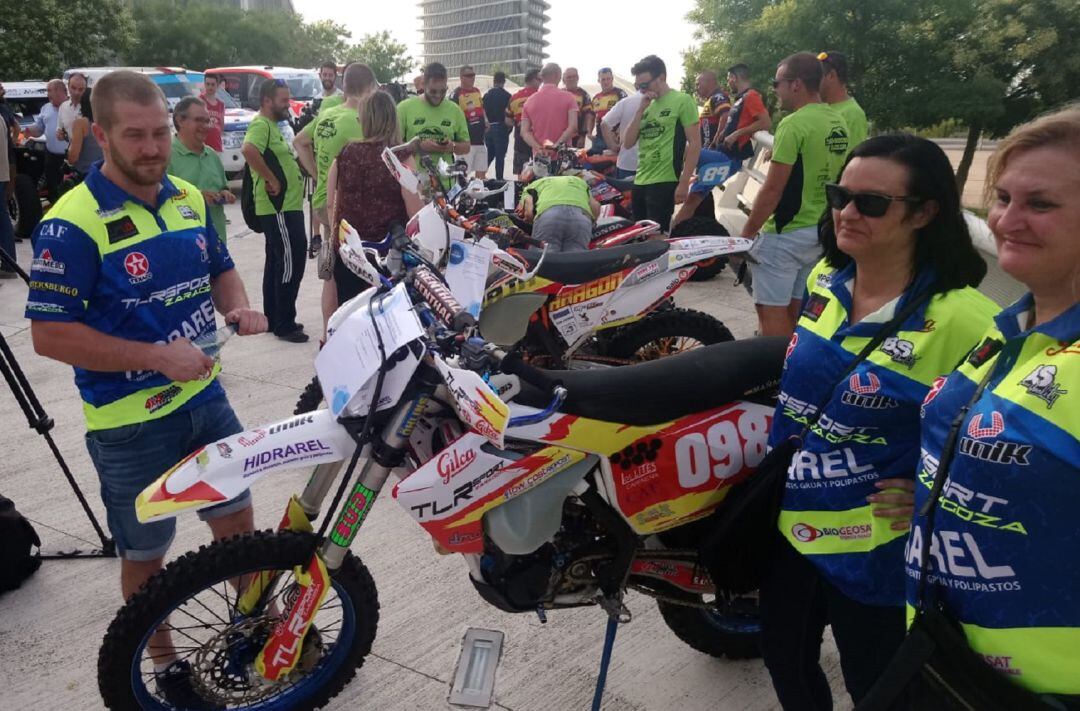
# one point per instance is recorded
(71, 109)
(612, 126)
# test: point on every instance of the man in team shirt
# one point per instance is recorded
(522, 150)
(584, 106)
(714, 108)
(604, 101)
(834, 92)
(471, 101)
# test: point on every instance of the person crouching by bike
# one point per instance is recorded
(896, 246)
(1008, 578)
(562, 212)
(104, 255)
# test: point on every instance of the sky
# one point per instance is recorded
(576, 34)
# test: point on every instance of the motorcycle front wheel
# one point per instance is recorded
(194, 599)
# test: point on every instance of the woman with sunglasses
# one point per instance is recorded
(893, 235)
(1004, 554)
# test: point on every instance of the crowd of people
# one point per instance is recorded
(848, 233)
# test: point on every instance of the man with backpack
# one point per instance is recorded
(278, 192)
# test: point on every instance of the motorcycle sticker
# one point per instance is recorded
(475, 402)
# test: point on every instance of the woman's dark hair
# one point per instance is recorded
(945, 243)
(85, 107)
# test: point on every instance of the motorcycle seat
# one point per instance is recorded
(581, 267)
(666, 389)
(621, 184)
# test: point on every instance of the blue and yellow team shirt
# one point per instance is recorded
(135, 271)
(1005, 551)
(869, 429)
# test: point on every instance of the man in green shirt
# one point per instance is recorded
(809, 149)
(665, 128)
(198, 163)
(562, 212)
(834, 92)
(279, 199)
(440, 124)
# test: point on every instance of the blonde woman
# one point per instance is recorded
(360, 190)
(1002, 550)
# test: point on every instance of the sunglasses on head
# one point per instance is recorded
(604, 70)
(868, 204)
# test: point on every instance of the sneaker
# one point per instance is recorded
(175, 685)
(296, 336)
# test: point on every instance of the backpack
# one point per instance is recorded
(17, 539)
(247, 190)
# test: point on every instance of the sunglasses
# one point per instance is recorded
(644, 85)
(868, 204)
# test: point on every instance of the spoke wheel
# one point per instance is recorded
(665, 333)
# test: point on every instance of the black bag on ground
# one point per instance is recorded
(247, 191)
(741, 537)
(18, 560)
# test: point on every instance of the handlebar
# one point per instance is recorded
(441, 300)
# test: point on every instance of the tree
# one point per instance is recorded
(318, 42)
(43, 38)
(387, 57)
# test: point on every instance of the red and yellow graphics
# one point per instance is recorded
(450, 493)
(282, 650)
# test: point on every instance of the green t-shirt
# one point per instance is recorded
(416, 117)
(204, 171)
(814, 141)
(263, 133)
(855, 119)
(662, 137)
(559, 190)
(334, 129)
(331, 101)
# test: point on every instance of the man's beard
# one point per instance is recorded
(281, 114)
(327, 85)
(140, 172)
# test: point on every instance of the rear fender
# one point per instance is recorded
(690, 250)
(228, 467)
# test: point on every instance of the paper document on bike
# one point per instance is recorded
(351, 356)
(467, 271)
(435, 235)
(228, 467)
(475, 402)
(687, 250)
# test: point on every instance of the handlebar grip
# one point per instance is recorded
(514, 365)
(441, 300)
(523, 236)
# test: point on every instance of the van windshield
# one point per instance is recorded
(302, 87)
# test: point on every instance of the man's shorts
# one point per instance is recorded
(713, 168)
(130, 458)
(781, 264)
(477, 158)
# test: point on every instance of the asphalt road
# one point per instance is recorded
(51, 628)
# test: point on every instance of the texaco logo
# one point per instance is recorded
(137, 266)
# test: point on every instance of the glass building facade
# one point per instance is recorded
(490, 35)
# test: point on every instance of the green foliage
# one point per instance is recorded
(387, 57)
(42, 38)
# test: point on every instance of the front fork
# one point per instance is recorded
(282, 650)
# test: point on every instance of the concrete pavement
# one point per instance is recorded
(51, 628)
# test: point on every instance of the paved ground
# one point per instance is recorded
(51, 628)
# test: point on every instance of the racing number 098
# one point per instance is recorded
(723, 450)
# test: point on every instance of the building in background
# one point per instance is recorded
(490, 35)
(263, 4)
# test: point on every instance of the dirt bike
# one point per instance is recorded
(579, 309)
(559, 489)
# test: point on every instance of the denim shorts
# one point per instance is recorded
(781, 264)
(130, 458)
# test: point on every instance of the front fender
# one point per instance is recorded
(225, 469)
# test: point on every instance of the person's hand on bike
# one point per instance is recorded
(248, 321)
(182, 362)
(898, 495)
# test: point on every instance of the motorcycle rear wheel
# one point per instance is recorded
(221, 658)
(664, 333)
(724, 631)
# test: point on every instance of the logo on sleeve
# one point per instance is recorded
(46, 263)
(985, 351)
(138, 267)
(186, 212)
(122, 229)
(932, 393)
(200, 240)
(999, 451)
(815, 306)
(1042, 383)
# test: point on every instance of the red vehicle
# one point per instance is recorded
(243, 82)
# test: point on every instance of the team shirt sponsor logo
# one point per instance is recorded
(1000, 451)
(161, 399)
(862, 393)
(46, 263)
(815, 306)
(932, 393)
(53, 286)
(138, 267)
(1041, 383)
(122, 229)
(181, 291)
(805, 533)
(186, 212)
(900, 351)
(984, 352)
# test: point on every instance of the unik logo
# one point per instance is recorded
(1000, 451)
(873, 384)
(997, 426)
(452, 462)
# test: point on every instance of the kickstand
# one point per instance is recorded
(617, 613)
